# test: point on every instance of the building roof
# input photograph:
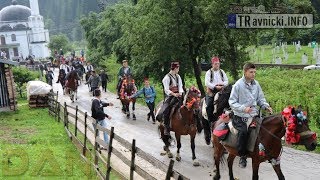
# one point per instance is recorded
(15, 12)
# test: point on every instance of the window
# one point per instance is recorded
(13, 37)
(3, 40)
(15, 52)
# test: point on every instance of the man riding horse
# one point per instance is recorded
(172, 85)
(125, 70)
(246, 96)
(215, 80)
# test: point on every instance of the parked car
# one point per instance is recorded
(311, 67)
(205, 66)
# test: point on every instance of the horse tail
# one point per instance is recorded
(198, 121)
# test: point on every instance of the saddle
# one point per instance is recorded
(228, 134)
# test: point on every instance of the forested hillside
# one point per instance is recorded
(62, 16)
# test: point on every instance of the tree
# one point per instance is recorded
(60, 41)
(22, 76)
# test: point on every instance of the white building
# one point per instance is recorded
(22, 31)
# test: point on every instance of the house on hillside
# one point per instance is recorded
(7, 86)
(22, 32)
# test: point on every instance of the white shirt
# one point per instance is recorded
(216, 78)
(65, 67)
(166, 83)
(89, 68)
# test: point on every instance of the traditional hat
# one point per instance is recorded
(215, 59)
(174, 65)
(146, 79)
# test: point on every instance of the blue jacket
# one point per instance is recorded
(149, 93)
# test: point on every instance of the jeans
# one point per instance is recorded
(151, 108)
(102, 123)
(242, 135)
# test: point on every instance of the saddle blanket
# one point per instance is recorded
(253, 133)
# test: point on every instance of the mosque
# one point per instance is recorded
(22, 31)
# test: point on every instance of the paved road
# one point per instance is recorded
(296, 165)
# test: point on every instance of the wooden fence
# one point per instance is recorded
(77, 125)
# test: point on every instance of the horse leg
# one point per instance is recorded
(178, 138)
(255, 168)
(165, 139)
(277, 169)
(127, 110)
(133, 108)
(230, 164)
(195, 161)
(218, 152)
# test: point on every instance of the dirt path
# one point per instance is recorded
(296, 165)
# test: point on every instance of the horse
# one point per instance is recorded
(184, 121)
(62, 79)
(128, 88)
(72, 79)
(221, 104)
(273, 128)
(88, 74)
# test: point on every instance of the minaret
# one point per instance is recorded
(34, 5)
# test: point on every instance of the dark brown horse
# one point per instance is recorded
(62, 79)
(72, 79)
(273, 128)
(128, 88)
(183, 122)
(222, 103)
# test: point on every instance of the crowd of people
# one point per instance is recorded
(246, 95)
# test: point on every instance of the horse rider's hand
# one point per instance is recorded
(248, 110)
(176, 95)
(109, 117)
(110, 104)
(269, 109)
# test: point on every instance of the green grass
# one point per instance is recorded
(293, 58)
(34, 146)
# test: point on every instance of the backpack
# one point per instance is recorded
(152, 89)
(221, 74)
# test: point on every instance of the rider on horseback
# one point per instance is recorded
(125, 70)
(215, 80)
(172, 85)
(245, 96)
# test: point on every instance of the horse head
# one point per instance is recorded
(129, 85)
(192, 98)
(298, 130)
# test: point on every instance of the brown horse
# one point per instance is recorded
(183, 122)
(128, 88)
(273, 128)
(71, 86)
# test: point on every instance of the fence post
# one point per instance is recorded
(59, 118)
(133, 155)
(96, 132)
(76, 123)
(170, 168)
(65, 114)
(57, 105)
(85, 135)
(109, 153)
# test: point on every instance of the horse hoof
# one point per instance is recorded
(216, 177)
(134, 118)
(196, 162)
(163, 153)
(170, 155)
(178, 158)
